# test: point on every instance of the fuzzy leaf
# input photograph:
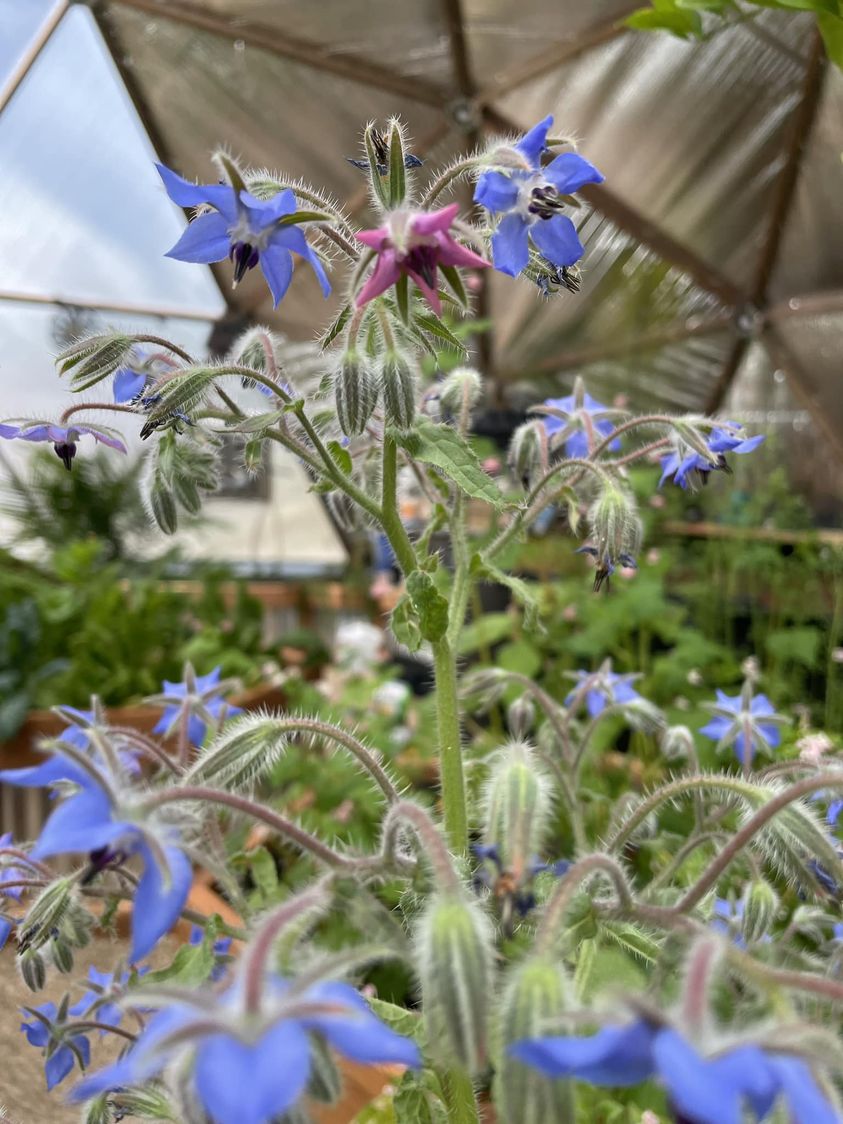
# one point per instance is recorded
(341, 456)
(434, 326)
(520, 590)
(430, 606)
(442, 447)
(192, 964)
(454, 281)
(405, 626)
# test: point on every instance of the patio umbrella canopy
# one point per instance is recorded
(713, 275)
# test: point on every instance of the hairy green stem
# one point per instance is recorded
(388, 512)
(450, 746)
(560, 899)
(458, 1094)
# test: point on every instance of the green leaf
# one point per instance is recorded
(192, 964)
(429, 604)
(397, 172)
(444, 448)
(302, 216)
(399, 1019)
(685, 24)
(341, 457)
(404, 623)
(264, 873)
(716, 6)
(336, 327)
(795, 645)
(484, 632)
(632, 940)
(434, 326)
(454, 281)
(520, 656)
(586, 955)
(831, 29)
(520, 590)
(257, 422)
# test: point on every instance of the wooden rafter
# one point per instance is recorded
(797, 144)
(296, 49)
(30, 56)
(557, 55)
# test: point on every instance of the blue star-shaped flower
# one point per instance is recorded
(202, 696)
(603, 688)
(60, 1051)
(701, 1090)
(577, 419)
(739, 722)
(63, 437)
(531, 199)
(252, 1069)
(93, 820)
(248, 230)
(688, 468)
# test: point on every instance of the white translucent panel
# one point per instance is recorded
(29, 383)
(19, 23)
(85, 215)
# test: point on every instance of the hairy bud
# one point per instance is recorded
(61, 955)
(534, 999)
(461, 390)
(454, 944)
(521, 716)
(33, 970)
(528, 455)
(46, 915)
(356, 392)
(398, 388)
(517, 808)
(761, 904)
(677, 743)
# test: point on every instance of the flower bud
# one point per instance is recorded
(44, 919)
(61, 955)
(615, 526)
(33, 970)
(398, 387)
(534, 999)
(521, 716)
(517, 808)
(356, 394)
(528, 451)
(677, 743)
(461, 390)
(761, 904)
(454, 945)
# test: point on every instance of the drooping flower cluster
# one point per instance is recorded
(689, 468)
(63, 437)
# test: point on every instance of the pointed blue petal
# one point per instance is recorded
(276, 262)
(292, 238)
(157, 907)
(558, 240)
(496, 192)
(691, 1082)
(205, 240)
(264, 212)
(81, 823)
(569, 172)
(54, 768)
(187, 194)
(57, 1067)
(127, 385)
(510, 246)
(716, 729)
(804, 1099)
(359, 1034)
(252, 1084)
(534, 143)
(614, 1056)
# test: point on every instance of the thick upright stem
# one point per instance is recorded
(390, 517)
(450, 748)
(458, 1093)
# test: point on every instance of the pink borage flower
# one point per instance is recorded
(415, 243)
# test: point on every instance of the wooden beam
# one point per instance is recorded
(30, 56)
(565, 51)
(807, 304)
(726, 377)
(315, 55)
(170, 312)
(801, 127)
(455, 22)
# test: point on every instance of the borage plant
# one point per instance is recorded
(578, 955)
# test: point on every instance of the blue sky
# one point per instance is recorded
(84, 212)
